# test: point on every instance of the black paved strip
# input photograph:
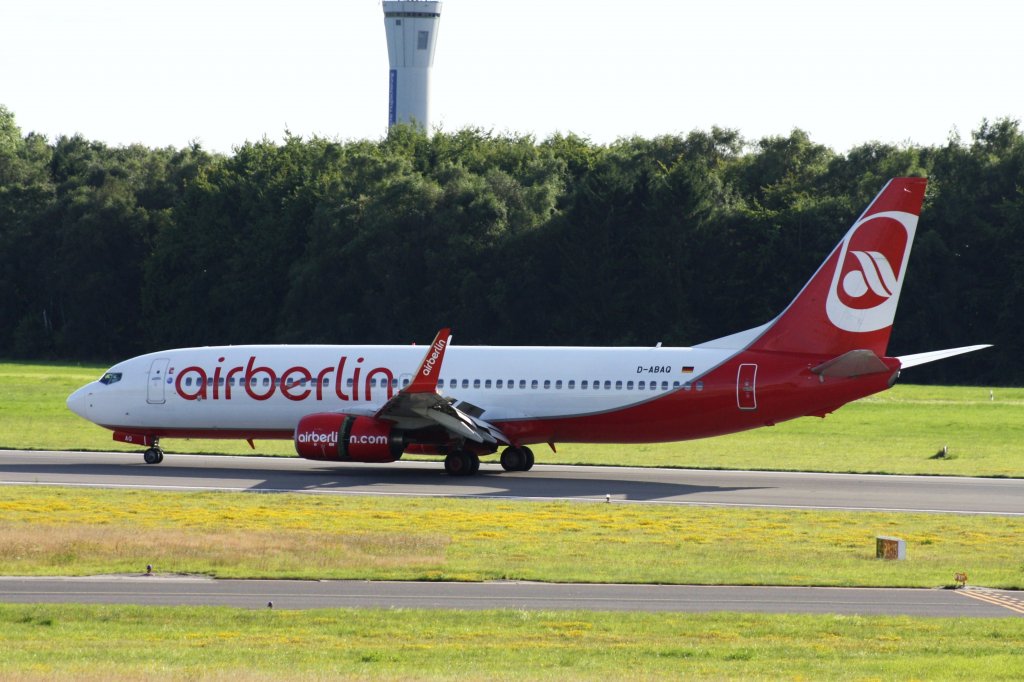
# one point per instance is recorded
(156, 590)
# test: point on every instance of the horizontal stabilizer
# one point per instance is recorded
(854, 363)
(921, 358)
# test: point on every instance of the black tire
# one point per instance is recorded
(459, 463)
(152, 456)
(513, 459)
(160, 457)
(474, 464)
(527, 459)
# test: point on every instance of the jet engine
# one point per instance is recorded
(346, 438)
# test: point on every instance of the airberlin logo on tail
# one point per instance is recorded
(873, 275)
(873, 259)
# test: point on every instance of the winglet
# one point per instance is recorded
(425, 379)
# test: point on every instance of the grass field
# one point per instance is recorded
(895, 432)
(113, 643)
(57, 531)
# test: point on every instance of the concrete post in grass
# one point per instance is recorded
(890, 548)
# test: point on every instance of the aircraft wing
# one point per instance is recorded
(931, 356)
(419, 404)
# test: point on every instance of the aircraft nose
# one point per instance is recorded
(78, 402)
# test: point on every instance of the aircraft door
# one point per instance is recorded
(746, 387)
(157, 380)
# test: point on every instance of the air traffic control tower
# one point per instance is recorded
(411, 27)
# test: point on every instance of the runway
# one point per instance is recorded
(301, 594)
(621, 485)
(582, 483)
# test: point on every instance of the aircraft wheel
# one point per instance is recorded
(527, 459)
(474, 462)
(153, 456)
(460, 463)
(514, 459)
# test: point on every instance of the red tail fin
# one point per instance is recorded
(850, 302)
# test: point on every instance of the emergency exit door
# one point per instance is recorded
(746, 387)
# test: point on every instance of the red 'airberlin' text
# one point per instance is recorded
(297, 383)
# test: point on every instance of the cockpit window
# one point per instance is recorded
(110, 378)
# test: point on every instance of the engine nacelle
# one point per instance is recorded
(345, 438)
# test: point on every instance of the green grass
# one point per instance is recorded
(895, 432)
(123, 642)
(59, 531)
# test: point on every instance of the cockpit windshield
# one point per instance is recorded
(110, 378)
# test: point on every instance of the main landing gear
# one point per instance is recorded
(461, 463)
(517, 459)
(154, 455)
(466, 463)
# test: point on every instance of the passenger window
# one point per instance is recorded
(700, 385)
(476, 383)
(220, 382)
(584, 385)
(498, 384)
(572, 384)
(405, 382)
(533, 384)
(607, 385)
(188, 381)
(349, 382)
(641, 386)
(465, 383)
(675, 384)
(547, 383)
(664, 385)
(618, 385)
(522, 383)
(327, 382)
(629, 385)
(687, 386)
(266, 381)
(487, 383)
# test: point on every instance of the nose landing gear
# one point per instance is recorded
(154, 455)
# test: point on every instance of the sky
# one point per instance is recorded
(223, 72)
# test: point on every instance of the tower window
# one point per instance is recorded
(422, 38)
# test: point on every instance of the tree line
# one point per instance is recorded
(107, 252)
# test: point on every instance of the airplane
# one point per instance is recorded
(375, 403)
